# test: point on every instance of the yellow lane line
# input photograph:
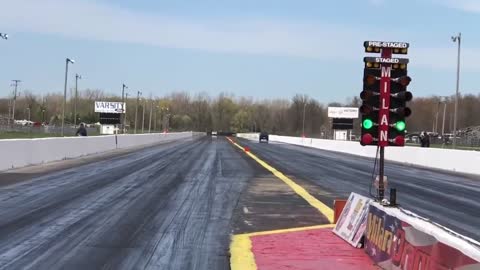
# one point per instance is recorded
(324, 209)
(299, 229)
(242, 257)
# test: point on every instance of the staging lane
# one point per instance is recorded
(166, 207)
(447, 198)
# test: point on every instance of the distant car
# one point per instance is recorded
(263, 137)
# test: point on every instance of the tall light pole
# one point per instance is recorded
(150, 120)
(67, 61)
(155, 119)
(303, 125)
(125, 115)
(143, 114)
(124, 109)
(457, 39)
(435, 125)
(15, 83)
(444, 113)
(164, 118)
(77, 77)
(136, 110)
(4, 36)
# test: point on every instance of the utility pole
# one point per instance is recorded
(125, 115)
(303, 125)
(124, 108)
(67, 61)
(76, 99)
(150, 121)
(155, 119)
(136, 110)
(436, 117)
(9, 111)
(443, 122)
(458, 39)
(14, 99)
(143, 114)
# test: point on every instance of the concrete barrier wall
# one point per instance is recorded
(452, 160)
(18, 153)
(399, 239)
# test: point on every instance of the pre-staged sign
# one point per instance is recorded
(353, 221)
(110, 107)
(343, 112)
(395, 244)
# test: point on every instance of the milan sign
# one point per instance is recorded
(384, 112)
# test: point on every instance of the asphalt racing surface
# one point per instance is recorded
(164, 207)
(176, 205)
(446, 198)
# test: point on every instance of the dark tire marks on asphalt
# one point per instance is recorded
(166, 207)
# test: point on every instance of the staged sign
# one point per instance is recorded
(110, 107)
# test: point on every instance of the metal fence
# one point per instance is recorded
(468, 137)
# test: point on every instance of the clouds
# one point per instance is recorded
(89, 20)
(94, 20)
(472, 6)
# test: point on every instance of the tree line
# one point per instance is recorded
(226, 112)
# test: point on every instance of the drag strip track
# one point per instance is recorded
(166, 207)
(447, 198)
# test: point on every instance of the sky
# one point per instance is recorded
(253, 48)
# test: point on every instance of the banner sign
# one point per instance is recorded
(353, 221)
(110, 107)
(343, 112)
(395, 244)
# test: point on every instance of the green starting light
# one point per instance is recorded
(400, 125)
(367, 124)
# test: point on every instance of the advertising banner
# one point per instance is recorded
(353, 221)
(343, 112)
(110, 107)
(395, 244)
